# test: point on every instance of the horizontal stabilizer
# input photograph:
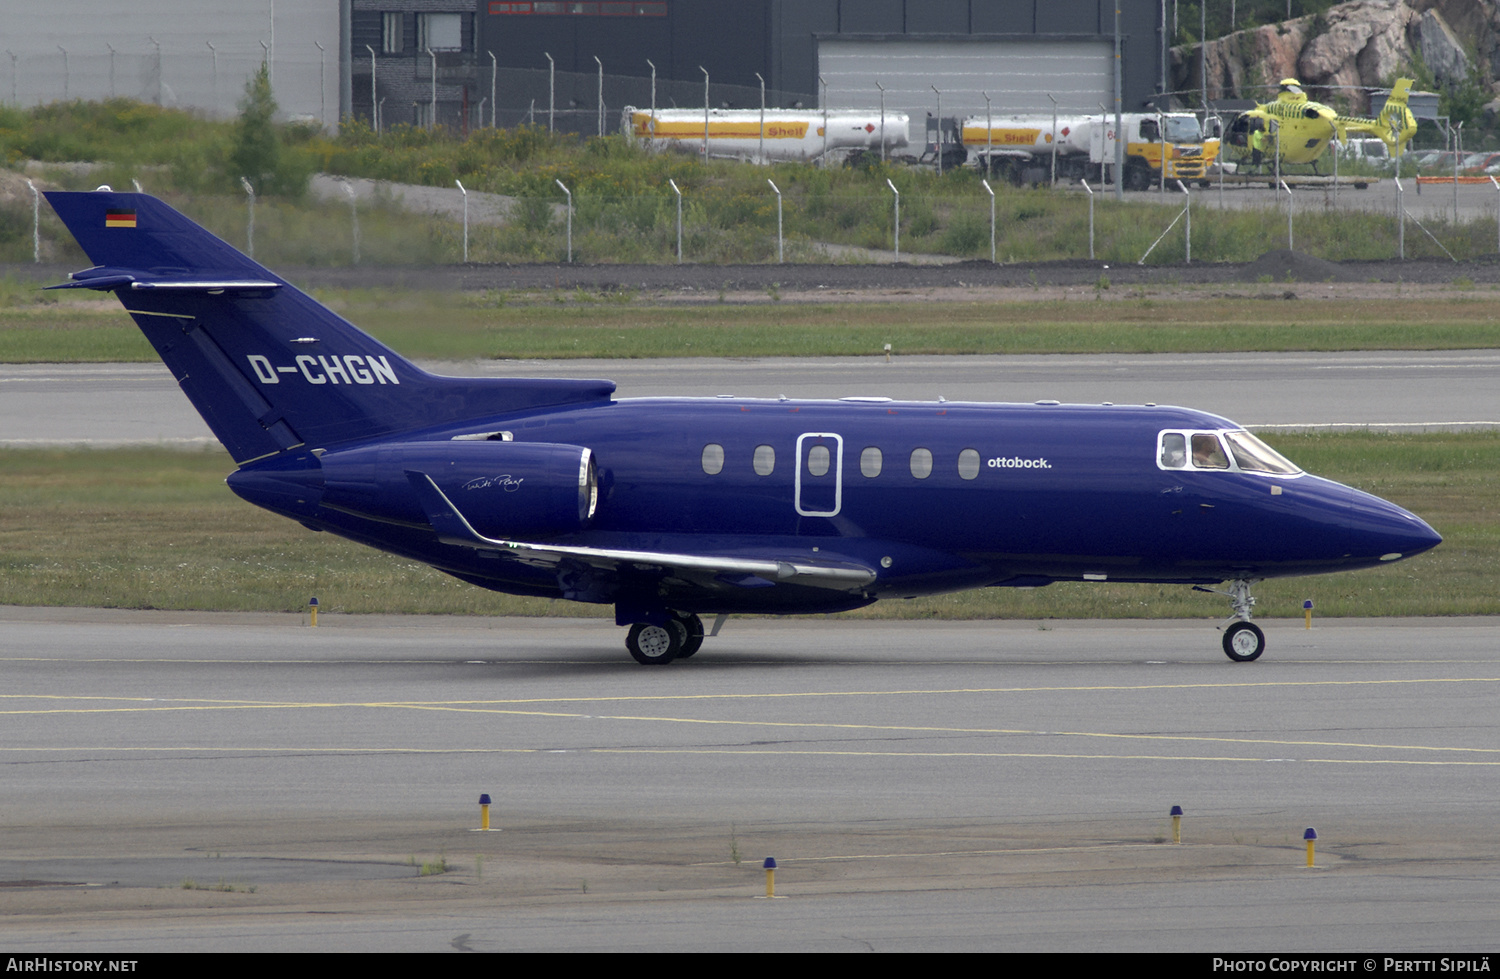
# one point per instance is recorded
(109, 279)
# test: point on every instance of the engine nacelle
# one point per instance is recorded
(505, 489)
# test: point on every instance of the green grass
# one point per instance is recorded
(625, 325)
(158, 529)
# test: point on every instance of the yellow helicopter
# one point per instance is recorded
(1300, 129)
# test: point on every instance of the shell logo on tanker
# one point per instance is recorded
(786, 130)
(1018, 137)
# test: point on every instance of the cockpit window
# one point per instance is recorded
(1253, 455)
(1208, 453)
(1206, 450)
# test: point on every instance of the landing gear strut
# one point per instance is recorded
(1243, 640)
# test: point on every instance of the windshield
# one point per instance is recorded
(1183, 129)
(1253, 455)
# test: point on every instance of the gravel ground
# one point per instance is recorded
(706, 282)
(1278, 275)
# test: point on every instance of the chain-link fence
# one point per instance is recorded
(737, 222)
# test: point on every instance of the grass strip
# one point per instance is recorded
(494, 325)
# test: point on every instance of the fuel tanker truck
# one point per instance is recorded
(1020, 148)
(787, 134)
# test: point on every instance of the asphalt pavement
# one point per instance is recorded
(207, 782)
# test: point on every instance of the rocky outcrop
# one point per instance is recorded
(1351, 47)
(1441, 50)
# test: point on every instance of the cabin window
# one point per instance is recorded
(765, 460)
(817, 460)
(713, 458)
(1173, 450)
(921, 463)
(870, 461)
(1208, 453)
(968, 463)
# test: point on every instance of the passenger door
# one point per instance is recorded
(820, 474)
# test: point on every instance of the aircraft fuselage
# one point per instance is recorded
(929, 496)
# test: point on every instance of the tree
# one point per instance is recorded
(257, 146)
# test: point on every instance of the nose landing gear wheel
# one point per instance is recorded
(652, 645)
(1244, 641)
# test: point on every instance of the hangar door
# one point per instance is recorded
(1017, 74)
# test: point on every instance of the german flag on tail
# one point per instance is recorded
(119, 219)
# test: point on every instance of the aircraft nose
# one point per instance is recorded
(1383, 531)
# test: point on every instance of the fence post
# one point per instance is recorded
(1401, 220)
(897, 234)
(601, 95)
(761, 150)
(353, 220)
(679, 217)
(36, 223)
(250, 227)
(1054, 133)
(1289, 245)
(466, 219)
(374, 113)
(565, 190)
(939, 117)
(1188, 209)
(992, 218)
(1091, 217)
(705, 113)
(551, 89)
(779, 258)
(1497, 214)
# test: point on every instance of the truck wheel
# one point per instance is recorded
(1137, 177)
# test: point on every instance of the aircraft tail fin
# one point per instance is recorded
(266, 365)
(1397, 123)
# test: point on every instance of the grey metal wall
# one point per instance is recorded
(1018, 75)
(802, 26)
(183, 74)
(787, 41)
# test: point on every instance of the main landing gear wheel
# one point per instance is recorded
(689, 630)
(653, 645)
(1244, 642)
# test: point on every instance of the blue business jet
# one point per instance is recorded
(671, 509)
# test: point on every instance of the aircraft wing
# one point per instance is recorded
(454, 528)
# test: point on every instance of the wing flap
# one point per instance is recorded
(454, 528)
